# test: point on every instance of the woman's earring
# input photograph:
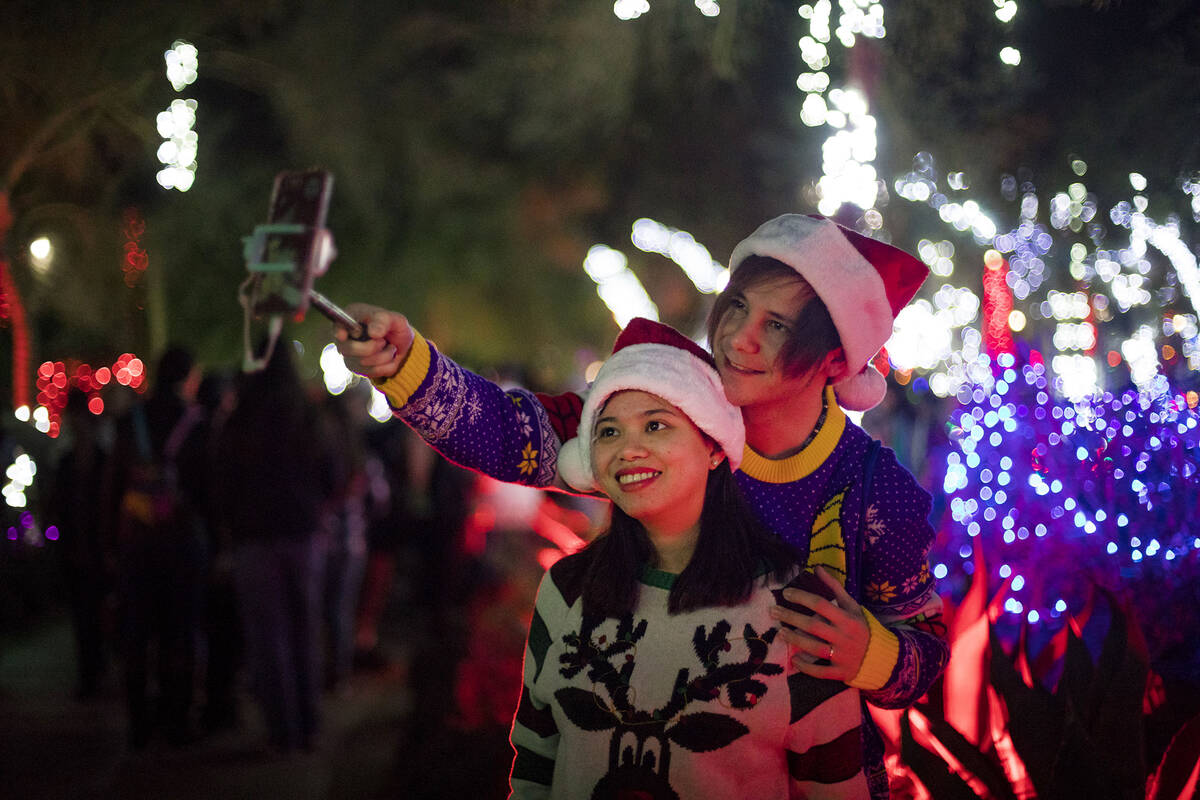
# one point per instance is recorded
(716, 460)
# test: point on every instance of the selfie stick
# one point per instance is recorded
(283, 257)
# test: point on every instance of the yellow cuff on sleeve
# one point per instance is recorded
(398, 388)
(883, 650)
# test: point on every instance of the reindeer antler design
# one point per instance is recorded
(641, 738)
(597, 654)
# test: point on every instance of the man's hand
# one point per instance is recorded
(831, 641)
(389, 338)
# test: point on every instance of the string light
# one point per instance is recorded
(176, 124)
(1116, 277)
(630, 9)
(847, 156)
(12, 313)
(20, 477)
(135, 261)
(1079, 490)
(337, 378)
(183, 64)
(705, 273)
(617, 286)
(56, 378)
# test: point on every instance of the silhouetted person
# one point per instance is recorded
(272, 487)
(222, 628)
(388, 522)
(159, 469)
(73, 504)
(346, 528)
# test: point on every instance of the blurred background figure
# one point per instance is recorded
(389, 522)
(273, 487)
(74, 500)
(156, 488)
(221, 627)
(345, 523)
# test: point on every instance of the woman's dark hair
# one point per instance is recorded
(732, 551)
(814, 333)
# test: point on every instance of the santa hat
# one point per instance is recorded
(862, 281)
(651, 357)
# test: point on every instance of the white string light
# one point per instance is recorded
(176, 124)
(847, 156)
(705, 273)
(617, 286)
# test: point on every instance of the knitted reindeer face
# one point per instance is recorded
(643, 736)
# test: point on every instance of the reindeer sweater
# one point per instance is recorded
(814, 500)
(702, 705)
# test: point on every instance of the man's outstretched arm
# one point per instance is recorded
(512, 435)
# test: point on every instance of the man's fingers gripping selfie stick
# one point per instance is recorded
(284, 255)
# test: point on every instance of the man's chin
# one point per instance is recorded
(735, 394)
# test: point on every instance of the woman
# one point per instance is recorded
(654, 666)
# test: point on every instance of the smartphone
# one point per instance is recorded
(289, 251)
(809, 582)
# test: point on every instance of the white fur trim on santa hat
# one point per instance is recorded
(848, 284)
(863, 391)
(675, 375)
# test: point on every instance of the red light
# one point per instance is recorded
(103, 375)
(96, 405)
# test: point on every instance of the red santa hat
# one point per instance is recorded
(651, 357)
(862, 281)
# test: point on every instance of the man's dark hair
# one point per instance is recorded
(814, 333)
(732, 551)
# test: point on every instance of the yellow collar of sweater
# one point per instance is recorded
(801, 464)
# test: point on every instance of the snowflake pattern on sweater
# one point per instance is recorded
(512, 438)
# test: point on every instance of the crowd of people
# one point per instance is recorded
(234, 534)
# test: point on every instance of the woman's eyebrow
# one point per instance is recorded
(647, 413)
